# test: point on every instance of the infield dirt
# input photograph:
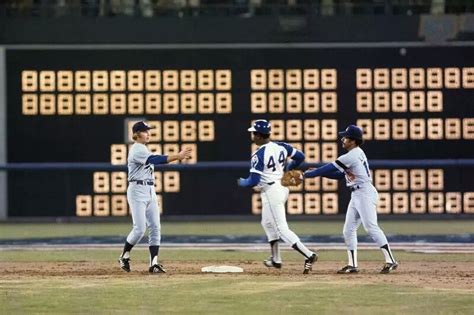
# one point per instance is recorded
(436, 275)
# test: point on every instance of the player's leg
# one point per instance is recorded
(272, 235)
(154, 239)
(137, 207)
(277, 197)
(349, 231)
(366, 205)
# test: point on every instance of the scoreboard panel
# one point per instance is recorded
(79, 105)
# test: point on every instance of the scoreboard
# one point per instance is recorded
(78, 106)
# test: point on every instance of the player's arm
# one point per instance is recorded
(328, 171)
(250, 181)
(335, 170)
(256, 170)
(335, 175)
(297, 157)
(157, 159)
(163, 159)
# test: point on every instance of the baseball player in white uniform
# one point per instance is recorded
(267, 166)
(362, 208)
(142, 198)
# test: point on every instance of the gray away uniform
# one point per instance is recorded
(141, 197)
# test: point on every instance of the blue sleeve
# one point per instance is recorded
(322, 171)
(289, 149)
(157, 159)
(336, 175)
(298, 158)
(250, 181)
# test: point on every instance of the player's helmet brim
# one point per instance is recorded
(252, 129)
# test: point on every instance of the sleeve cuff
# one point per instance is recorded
(336, 165)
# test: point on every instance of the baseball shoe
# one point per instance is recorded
(271, 264)
(158, 268)
(308, 263)
(388, 267)
(124, 264)
(348, 269)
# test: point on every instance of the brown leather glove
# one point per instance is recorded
(292, 178)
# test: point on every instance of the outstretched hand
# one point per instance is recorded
(184, 154)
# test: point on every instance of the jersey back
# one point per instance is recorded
(356, 163)
(270, 159)
(137, 167)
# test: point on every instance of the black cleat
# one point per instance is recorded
(271, 264)
(308, 263)
(124, 264)
(158, 268)
(388, 267)
(348, 269)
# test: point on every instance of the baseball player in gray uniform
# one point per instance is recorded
(353, 166)
(267, 166)
(142, 198)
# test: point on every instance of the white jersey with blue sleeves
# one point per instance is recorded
(270, 159)
(356, 163)
(137, 167)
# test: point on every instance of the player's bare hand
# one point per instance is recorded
(350, 176)
(185, 154)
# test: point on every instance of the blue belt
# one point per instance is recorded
(144, 182)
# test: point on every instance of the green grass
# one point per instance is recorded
(247, 293)
(175, 293)
(224, 295)
(41, 230)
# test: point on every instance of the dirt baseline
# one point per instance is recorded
(436, 275)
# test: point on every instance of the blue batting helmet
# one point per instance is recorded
(261, 126)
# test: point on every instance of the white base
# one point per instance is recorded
(221, 269)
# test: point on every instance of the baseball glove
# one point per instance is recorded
(292, 178)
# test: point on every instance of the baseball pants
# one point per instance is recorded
(145, 214)
(363, 209)
(274, 214)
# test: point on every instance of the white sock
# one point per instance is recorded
(154, 261)
(126, 255)
(352, 255)
(387, 253)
